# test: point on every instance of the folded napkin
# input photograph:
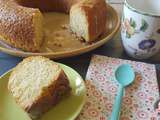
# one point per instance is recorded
(140, 97)
(95, 106)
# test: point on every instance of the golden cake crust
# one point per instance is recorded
(17, 28)
(49, 5)
(50, 96)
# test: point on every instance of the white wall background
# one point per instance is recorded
(117, 4)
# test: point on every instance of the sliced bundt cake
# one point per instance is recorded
(37, 84)
(21, 22)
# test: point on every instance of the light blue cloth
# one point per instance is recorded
(7, 62)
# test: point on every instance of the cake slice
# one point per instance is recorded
(37, 84)
(88, 19)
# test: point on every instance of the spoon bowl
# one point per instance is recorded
(125, 75)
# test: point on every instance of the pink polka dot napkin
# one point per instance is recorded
(138, 101)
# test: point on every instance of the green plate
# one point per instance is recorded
(67, 109)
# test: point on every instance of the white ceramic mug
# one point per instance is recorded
(140, 29)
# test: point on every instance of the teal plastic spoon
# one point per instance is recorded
(125, 75)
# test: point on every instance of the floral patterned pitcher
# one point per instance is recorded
(140, 29)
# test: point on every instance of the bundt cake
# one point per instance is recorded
(37, 84)
(21, 21)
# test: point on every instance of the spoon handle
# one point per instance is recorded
(117, 104)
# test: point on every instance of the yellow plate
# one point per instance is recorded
(67, 109)
(60, 43)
